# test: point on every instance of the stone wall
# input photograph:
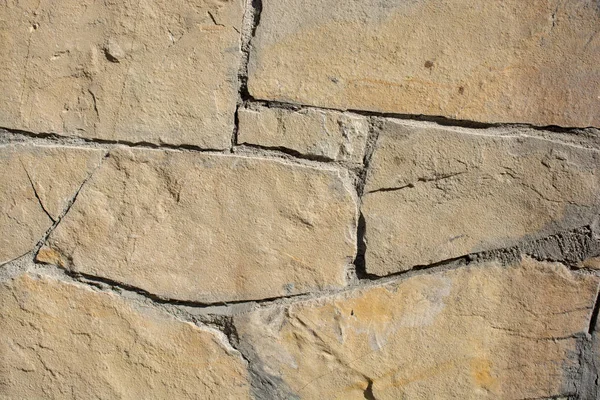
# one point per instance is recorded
(299, 199)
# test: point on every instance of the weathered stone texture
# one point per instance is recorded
(203, 227)
(27, 172)
(62, 341)
(491, 61)
(127, 70)
(471, 333)
(312, 132)
(435, 193)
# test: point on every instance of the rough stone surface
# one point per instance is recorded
(436, 193)
(62, 341)
(203, 227)
(127, 70)
(36, 184)
(592, 263)
(492, 61)
(470, 333)
(318, 133)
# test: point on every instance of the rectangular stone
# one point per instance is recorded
(138, 71)
(491, 61)
(434, 193)
(480, 332)
(311, 132)
(210, 228)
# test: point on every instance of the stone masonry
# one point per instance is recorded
(286, 199)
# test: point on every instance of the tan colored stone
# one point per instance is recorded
(203, 227)
(52, 174)
(122, 70)
(491, 61)
(63, 341)
(482, 332)
(435, 193)
(592, 263)
(320, 133)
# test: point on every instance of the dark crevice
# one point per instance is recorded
(438, 119)
(392, 189)
(360, 265)
(84, 140)
(287, 151)
(255, 9)
(102, 282)
(594, 317)
(368, 392)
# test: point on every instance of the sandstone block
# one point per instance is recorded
(199, 227)
(37, 183)
(481, 332)
(491, 61)
(130, 70)
(63, 341)
(435, 193)
(312, 132)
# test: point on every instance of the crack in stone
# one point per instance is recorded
(37, 196)
(419, 180)
(70, 203)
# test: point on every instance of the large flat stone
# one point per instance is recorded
(318, 133)
(122, 70)
(36, 183)
(64, 341)
(482, 332)
(203, 227)
(435, 193)
(490, 61)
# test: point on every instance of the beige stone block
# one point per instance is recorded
(436, 193)
(491, 61)
(36, 183)
(319, 133)
(479, 332)
(64, 341)
(208, 228)
(138, 71)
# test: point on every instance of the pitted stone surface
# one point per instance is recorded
(472, 333)
(27, 172)
(329, 134)
(491, 61)
(63, 341)
(200, 227)
(435, 193)
(127, 70)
